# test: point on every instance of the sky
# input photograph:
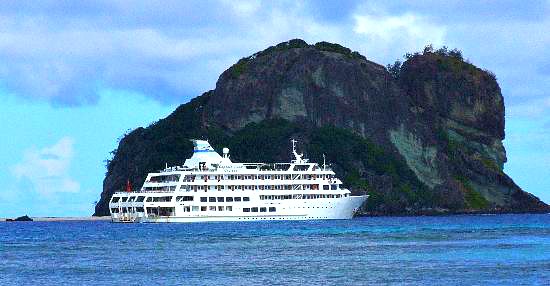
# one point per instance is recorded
(76, 75)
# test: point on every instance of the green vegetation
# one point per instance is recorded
(446, 60)
(242, 65)
(490, 164)
(267, 141)
(336, 48)
(394, 69)
(443, 52)
(474, 200)
(239, 68)
(452, 147)
(356, 182)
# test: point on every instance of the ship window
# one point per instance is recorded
(204, 199)
(333, 187)
(139, 209)
(229, 208)
(254, 210)
(212, 199)
(149, 199)
(131, 199)
(195, 208)
(203, 208)
(246, 199)
(300, 167)
(124, 199)
(237, 199)
(263, 210)
(220, 199)
(212, 208)
(124, 210)
(115, 199)
(114, 210)
(246, 210)
(271, 209)
(229, 199)
(140, 199)
(186, 209)
(220, 208)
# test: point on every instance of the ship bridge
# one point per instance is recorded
(205, 157)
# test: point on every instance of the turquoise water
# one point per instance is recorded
(451, 250)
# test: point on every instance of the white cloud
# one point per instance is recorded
(173, 54)
(47, 169)
(243, 8)
(387, 33)
(409, 25)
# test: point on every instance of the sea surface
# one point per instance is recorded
(446, 250)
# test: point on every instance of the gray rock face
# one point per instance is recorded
(441, 117)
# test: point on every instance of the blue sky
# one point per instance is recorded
(75, 76)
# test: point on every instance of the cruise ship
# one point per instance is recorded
(210, 187)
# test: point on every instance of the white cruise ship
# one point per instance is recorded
(209, 187)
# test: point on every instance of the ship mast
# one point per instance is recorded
(297, 157)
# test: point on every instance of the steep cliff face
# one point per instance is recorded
(425, 138)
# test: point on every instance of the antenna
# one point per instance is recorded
(297, 157)
(293, 145)
(324, 164)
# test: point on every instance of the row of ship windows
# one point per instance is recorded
(302, 196)
(279, 218)
(192, 178)
(151, 199)
(261, 209)
(225, 199)
(246, 187)
(222, 199)
(196, 209)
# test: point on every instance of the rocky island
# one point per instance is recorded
(421, 137)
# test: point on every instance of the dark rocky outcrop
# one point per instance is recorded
(425, 138)
(21, 218)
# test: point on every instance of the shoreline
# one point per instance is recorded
(69, 218)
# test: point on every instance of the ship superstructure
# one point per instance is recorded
(210, 187)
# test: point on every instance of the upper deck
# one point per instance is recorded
(207, 170)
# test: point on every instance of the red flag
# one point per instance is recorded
(128, 186)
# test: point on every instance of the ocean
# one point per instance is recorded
(443, 250)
